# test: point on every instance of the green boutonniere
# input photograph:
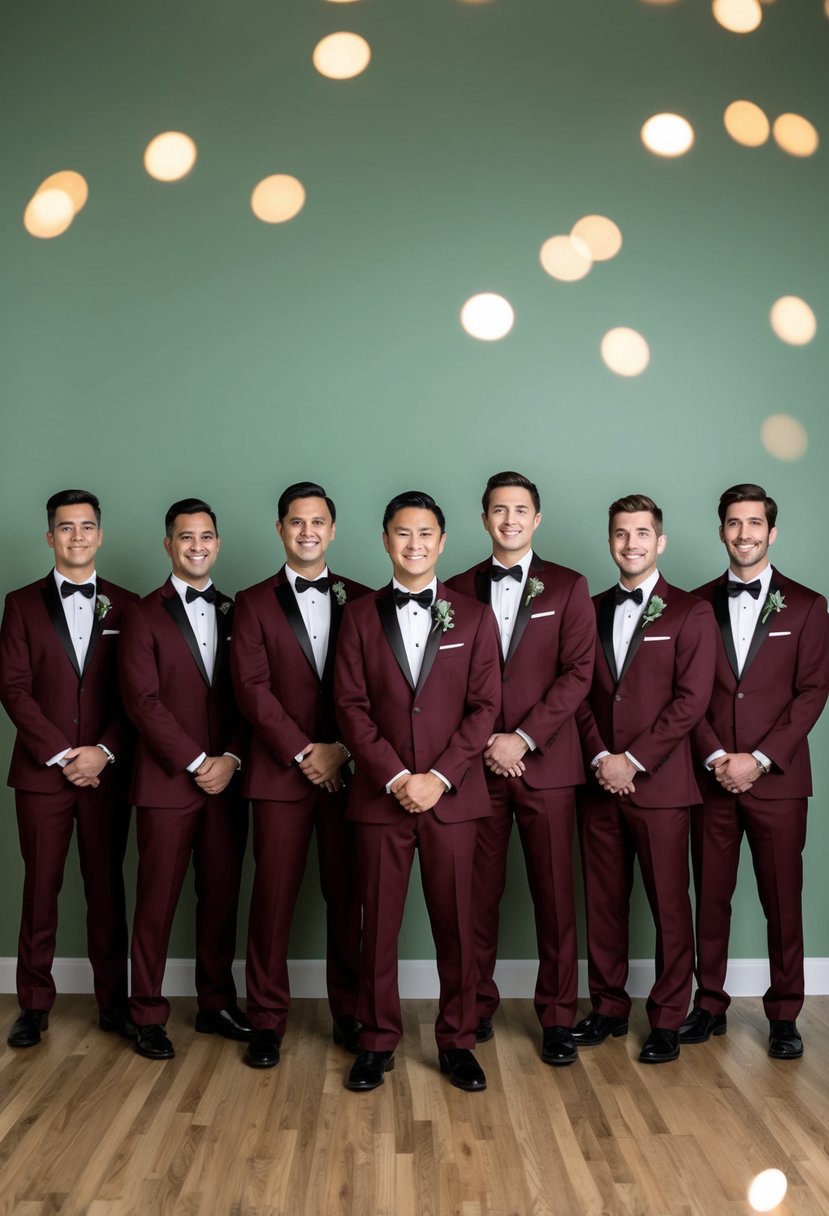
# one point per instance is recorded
(225, 606)
(338, 591)
(442, 613)
(774, 603)
(534, 587)
(102, 606)
(656, 606)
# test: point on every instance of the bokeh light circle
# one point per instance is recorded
(667, 135)
(487, 316)
(566, 258)
(71, 183)
(601, 236)
(793, 320)
(746, 123)
(170, 156)
(787, 439)
(48, 214)
(738, 16)
(342, 55)
(625, 351)
(277, 198)
(796, 135)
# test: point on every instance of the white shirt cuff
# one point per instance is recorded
(404, 772)
(59, 758)
(197, 763)
(529, 742)
(233, 756)
(709, 760)
(598, 756)
(448, 784)
(634, 762)
(761, 758)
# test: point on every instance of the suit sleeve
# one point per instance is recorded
(372, 753)
(577, 649)
(138, 672)
(41, 738)
(694, 664)
(252, 682)
(810, 684)
(591, 741)
(483, 698)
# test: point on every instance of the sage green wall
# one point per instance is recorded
(171, 344)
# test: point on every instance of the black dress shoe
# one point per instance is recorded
(484, 1032)
(347, 1034)
(230, 1023)
(117, 1019)
(785, 1042)
(369, 1069)
(558, 1046)
(597, 1027)
(660, 1047)
(263, 1049)
(27, 1028)
(700, 1025)
(152, 1042)
(462, 1068)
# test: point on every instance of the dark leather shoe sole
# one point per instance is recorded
(208, 1023)
(781, 1053)
(474, 1083)
(373, 1080)
(27, 1033)
(593, 1040)
(258, 1057)
(154, 1053)
(717, 1027)
(659, 1052)
(485, 1031)
(559, 1054)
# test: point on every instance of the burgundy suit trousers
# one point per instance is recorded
(45, 824)
(281, 837)
(545, 820)
(612, 833)
(213, 830)
(386, 853)
(776, 832)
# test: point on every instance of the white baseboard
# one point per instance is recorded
(419, 979)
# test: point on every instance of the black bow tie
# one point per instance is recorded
(402, 598)
(208, 594)
(735, 588)
(622, 595)
(496, 573)
(87, 590)
(318, 584)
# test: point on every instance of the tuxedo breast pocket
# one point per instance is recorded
(661, 638)
(536, 616)
(110, 633)
(781, 633)
(452, 646)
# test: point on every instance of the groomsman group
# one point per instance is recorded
(425, 716)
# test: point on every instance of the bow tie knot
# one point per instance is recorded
(622, 595)
(402, 598)
(208, 594)
(736, 588)
(497, 573)
(87, 590)
(317, 584)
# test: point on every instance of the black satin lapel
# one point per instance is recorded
(387, 611)
(633, 647)
(483, 585)
(287, 599)
(51, 595)
(224, 623)
(333, 634)
(521, 620)
(174, 606)
(94, 637)
(723, 616)
(429, 655)
(607, 610)
(761, 632)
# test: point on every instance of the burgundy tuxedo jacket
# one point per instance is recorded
(546, 674)
(442, 722)
(278, 688)
(778, 698)
(651, 707)
(53, 704)
(178, 713)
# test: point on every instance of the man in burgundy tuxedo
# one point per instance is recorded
(417, 687)
(71, 761)
(285, 637)
(771, 682)
(547, 630)
(651, 685)
(175, 678)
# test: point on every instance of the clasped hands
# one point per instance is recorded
(321, 764)
(503, 754)
(615, 774)
(737, 771)
(418, 792)
(83, 764)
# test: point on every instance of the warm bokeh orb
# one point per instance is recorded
(48, 214)
(625, 351)
(566, 258)
(786, 438)
(793, 320)
(601, 236)
(767, 1190)
(170, 156)
(738, 16)
(796, 135)
(746, 123)
(277, 198)
(667, 135)
(487, 317)
(341, 56)
(70, 183)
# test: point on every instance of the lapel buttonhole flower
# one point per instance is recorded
(534, 587)
(442, 613)
(656, 606)
(775, 603)
(102, 606)
(339, 593)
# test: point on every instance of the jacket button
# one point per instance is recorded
(416, 709)
(740, 696)
(618, 697)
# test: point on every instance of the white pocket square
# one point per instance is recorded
(452, 646)
(664, 637)
(536, 615)
(109, 632)
(783, 633)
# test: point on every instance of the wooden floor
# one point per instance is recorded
(87, 1126)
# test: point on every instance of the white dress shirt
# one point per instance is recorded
(80, 617)
(315, 609)
(505, 596)
(202, 618)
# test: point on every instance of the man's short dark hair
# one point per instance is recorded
(188, 506)
(303, 489)
(71, 498)
(635, 502)
(418, 500)
(509, 478)
(748, 492)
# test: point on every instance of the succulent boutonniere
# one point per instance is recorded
(534, 587)
(225, 606)
(102, 606)
(655, 607)
(774, 603)
(338, 591)
(442, 613)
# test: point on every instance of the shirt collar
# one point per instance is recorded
(182, 588)
(60, 579)
(524, 564)
(433, 587)
(764, 579)
(647, 586)
(292, 575)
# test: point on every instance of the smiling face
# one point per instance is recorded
(306, 531)
(635, 546)
(746, 535)
(193, 548)
(414, 542)
(75, 538)
(511, 519)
